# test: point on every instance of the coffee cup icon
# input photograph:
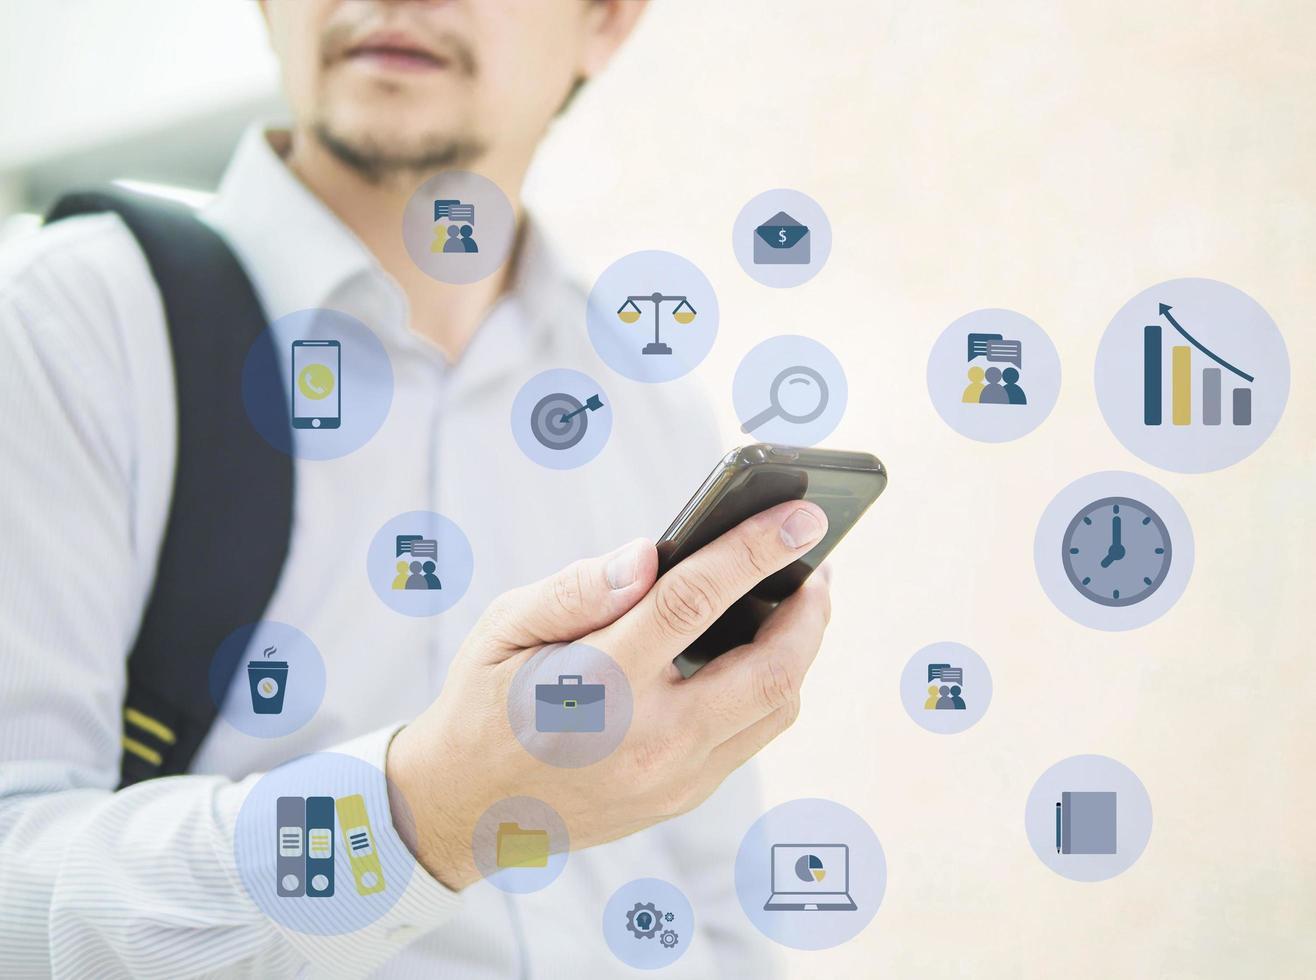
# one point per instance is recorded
(268, 680)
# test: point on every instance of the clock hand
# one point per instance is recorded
(1116, 551)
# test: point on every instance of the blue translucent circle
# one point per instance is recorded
(980, 347)
(562, 419)
(789, 389)
(782, 238)
(810, 874)
(315, 847)
(267, 679)
(415, 540)
(626, 288)
(961, 672)
(520, 845)
(648, 924)
(317, 384)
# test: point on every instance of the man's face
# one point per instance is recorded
(404, 86)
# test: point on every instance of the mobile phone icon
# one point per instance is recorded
(316, 388)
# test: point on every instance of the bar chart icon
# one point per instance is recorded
(1182, 377)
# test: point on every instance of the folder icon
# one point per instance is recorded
(519, 848)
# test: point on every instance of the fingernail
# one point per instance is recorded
(621, 567)
(801, 529)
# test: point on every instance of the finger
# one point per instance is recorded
(688, 599)
(584, 596)
(745, 685)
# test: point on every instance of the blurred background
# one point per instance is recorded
(1053, 158)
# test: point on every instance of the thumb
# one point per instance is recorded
(585, 596)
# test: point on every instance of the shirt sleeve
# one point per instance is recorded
(140, 882)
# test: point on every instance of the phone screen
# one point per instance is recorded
(749, 481)
(316, 398)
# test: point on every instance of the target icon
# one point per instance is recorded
(559, 421)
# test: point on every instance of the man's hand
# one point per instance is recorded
(461, 755)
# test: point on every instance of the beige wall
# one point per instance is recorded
(1055, 158)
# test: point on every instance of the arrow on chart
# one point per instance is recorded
(1165, 312)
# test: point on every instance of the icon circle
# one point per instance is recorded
(789, 389)
(648, 923)
(520, 845)
(570, 705)
(810, 874)
(561, 418)
(1147, 548)
(420, 563)
(1088, 818)
(993, 375)
(1120, 570)
(1192, 375)
(652, 316)
(459, 227)
(267, 679)
(946, 688)
(782, 238)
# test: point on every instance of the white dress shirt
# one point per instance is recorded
(142, 882)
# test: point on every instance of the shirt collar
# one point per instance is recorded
(300, 255)
(296, 251)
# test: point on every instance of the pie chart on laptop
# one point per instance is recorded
(809, 868)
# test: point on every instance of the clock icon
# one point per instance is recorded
(1116, 551)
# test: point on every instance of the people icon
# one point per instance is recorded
(458, 239)
(993, 386)
(1013, 392)
(416, 575)
(974, 388)
(945, 697)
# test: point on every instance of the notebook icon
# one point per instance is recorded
(1085, 823)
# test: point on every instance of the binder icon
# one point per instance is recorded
(521, 848)
(290, 870)
(320, 846)
(367, 872)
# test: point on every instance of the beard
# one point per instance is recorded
(380, 161)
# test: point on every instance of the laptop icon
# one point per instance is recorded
(810, 877)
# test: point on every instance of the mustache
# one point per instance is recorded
(340, 37)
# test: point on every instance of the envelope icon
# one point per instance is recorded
(781, 240)
(520, 848)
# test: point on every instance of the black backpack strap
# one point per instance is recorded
(230, 518)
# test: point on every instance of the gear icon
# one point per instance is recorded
(668, 917)
(669, 938)
(644, 920)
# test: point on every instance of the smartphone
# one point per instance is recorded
(316, 398)
(752, 479)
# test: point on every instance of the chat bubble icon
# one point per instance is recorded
(425, 548)
(443, 208)
(1010, 351)
(978, 343)
(945, 672)
(462, 212)
(405, 542)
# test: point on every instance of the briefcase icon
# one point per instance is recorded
(570, 705)
(518, 847)
(781, 240)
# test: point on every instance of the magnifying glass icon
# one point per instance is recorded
(784, 382)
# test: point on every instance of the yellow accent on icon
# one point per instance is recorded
(1181, 381)
(629, 316)
(684, 316)
(520, 848)
(316, 381)
(354, 822)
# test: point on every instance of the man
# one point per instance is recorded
(143, 881)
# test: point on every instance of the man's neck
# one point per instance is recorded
(446, 314)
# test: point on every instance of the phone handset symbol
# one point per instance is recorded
(316, 381)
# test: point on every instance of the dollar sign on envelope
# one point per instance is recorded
(781, 240)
